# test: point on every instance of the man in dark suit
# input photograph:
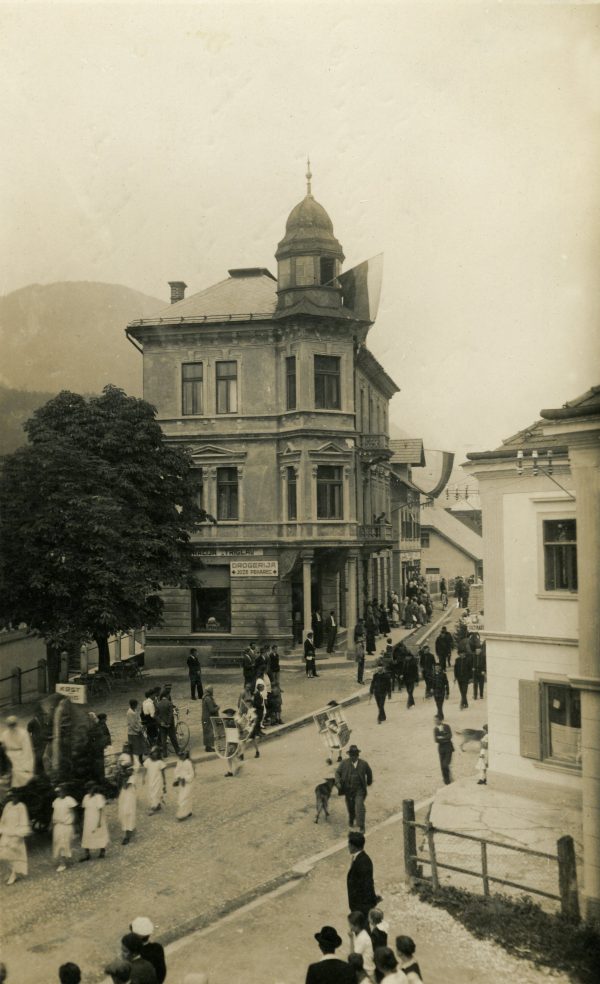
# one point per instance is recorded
(330, 969)
(152, 952)
(463, 670)
(317, 627)
(352, 779)
(444, 644)
(309, 656)
(331, 631)
(195, 672)
(361, 887)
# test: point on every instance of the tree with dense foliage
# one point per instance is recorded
(96, 513)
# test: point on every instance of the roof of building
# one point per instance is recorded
(453, 530)
(588, 404)
(408, 451)
(373, 369)
(245, 294)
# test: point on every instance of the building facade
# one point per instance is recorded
(407, 453)
(448, 547)
(269, 383)
(540, 495)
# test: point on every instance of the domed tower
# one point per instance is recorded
(309, 260)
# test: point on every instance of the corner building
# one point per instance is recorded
(270, 385)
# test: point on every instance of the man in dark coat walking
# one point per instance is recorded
(309, 656)
(444, 644)
(352, 778)
(441, 689)
(442, 735)
(329, 969)
(331, 631)
(478, 663)
(381, 687)
(361, 888)
(195, 672)
(462, 674)
(410, 676)
(317, 628)
(427, 661)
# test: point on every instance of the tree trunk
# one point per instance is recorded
(103, 653)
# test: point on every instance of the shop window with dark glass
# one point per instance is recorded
(192, 394)
(562, 719)
(329, 492)
(211, 603)
(327, 270)
(227, 388)
(560, 554)
(227, 494)
(292, 494)
(424, 539)
(327, 382)
(290, 382)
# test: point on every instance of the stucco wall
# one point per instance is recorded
(443, 554)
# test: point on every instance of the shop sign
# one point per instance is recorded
(474, 623)
(227, 552)
(76, 692)
(254, 568)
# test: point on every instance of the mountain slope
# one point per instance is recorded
(71, 336)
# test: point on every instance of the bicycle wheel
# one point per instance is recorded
(182, 733)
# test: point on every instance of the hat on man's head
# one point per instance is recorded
(329, 936)
(229, 711)
(353, 748)
(142, 926)
(12, 721)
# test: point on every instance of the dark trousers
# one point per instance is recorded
(151, 727)
(380, 701)
(196, 688)
(428, 678)
(311, 668)
(445, 749)
(439, 703)
(165, 733)
(355, 804)
(478, 682)
(331, 636)
(463, 686)
(360, 669)
(409, 690)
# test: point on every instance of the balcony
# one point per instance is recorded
(374, 442)
(379, 532)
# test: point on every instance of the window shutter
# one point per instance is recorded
(530, 719)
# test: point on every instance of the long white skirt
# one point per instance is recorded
(62, 840)
(13, 850)
(127, 808)
(184, 800)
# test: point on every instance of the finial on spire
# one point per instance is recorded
(308, 176)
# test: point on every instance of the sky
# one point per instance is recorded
(149, 142)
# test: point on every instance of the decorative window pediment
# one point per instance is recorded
(210, 453)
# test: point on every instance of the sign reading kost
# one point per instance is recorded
(254, 568)
(76, 692)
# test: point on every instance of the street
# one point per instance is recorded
(244, 833)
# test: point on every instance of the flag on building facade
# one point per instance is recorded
(361, 288)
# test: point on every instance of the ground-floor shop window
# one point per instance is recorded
(550, 722)
(211, 609)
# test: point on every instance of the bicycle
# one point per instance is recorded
(182, 730)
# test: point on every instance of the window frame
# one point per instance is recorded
(291, 494)
(291, 383)
(551, 545)
(232, 498)
(546, 734)
(229, 388)
(186, 385)
(323, 380)
(424, 535)
(330, 493)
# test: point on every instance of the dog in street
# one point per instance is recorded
(322, 797)
(470, 735)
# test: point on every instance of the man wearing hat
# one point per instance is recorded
(166, 721)
(329, 969)
(18, 747)
(352, 778)
(152, 952)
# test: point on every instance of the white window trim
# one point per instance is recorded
(561, 511)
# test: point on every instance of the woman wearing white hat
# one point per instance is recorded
(14, 828)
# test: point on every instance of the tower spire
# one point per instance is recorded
(308, 177)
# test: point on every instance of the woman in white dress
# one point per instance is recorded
(63, 819)
(95, 830)
(155, 780)
(183, 779)
(127, 806)
(14, 828)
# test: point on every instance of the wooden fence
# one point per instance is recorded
(564, 857)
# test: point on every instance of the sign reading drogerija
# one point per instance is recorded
(254, 568)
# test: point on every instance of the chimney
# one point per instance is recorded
(177, 290)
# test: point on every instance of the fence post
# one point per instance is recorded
(435, 881)
(410, 840)
(484, 869)
(15, 686)
(42, 682)
(567, 878)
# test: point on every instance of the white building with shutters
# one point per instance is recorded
(540, 497)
